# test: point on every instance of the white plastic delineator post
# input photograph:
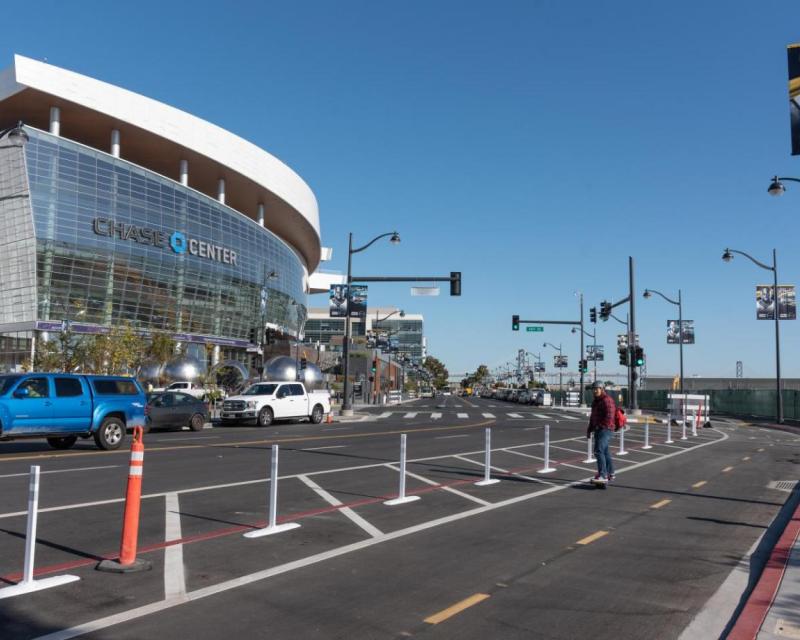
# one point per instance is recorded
(622, 451)
(273, 526)
(589, 449)
(547, 468)
(28, 584)
(647, 436)
(683, 434)
(694, 426)
(669, 429)
(487, 479)
(402, 498)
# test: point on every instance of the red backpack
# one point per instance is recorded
(620, 419)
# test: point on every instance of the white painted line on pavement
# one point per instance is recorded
(174, 579)
(334, 446)
(488, 415)
(463, 415)
(258, 576)
(513, 415)
(346, 511)
(528, 455)
(542, 416)
(385, 414)
(27, 473)
(506, 471)
(338, 429)
(436, 416)
(433, 483)
(410, 415)
(465, 435)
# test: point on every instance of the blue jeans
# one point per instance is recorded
(602, 440)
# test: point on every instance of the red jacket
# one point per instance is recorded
(603, 410)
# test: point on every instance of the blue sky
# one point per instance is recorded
(532, 145)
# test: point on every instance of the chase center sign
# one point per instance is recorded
(177, 240)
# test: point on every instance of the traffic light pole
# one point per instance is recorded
(634, 403)
(580, 362)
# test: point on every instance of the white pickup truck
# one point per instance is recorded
(268, 401)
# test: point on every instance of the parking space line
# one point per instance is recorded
(553, 462)
(660, 503)
(697, 485)
(726, 469)
(463, 435)
(335, 446)
(346, 511)
(595, 536)
(506, 471)
(433, 483)
(745, 459)
(174, 578)
(458, 607)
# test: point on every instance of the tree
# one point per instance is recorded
(438, 372)
(120, 351)
(161, 347)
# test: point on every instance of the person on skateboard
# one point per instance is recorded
(602, 424)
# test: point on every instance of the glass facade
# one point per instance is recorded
(117, 243)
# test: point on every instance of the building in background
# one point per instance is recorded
(119, 209)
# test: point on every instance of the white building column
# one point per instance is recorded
(215, 356)
(221, 190)
(55, 121)
(260, 214)
(115, 143)
(184, 171)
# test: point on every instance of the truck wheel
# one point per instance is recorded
(316, 414)
(62, 443)
(110, 434)
(197, 422)
(265, 417)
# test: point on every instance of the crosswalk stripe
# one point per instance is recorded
(411, 414)
(514, 415)
(436, 416)
(463, 415)
(569, 417)
(385, 414)
(488, 415)
(541, 415)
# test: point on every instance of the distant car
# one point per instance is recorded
(524, 397)
(175, 410)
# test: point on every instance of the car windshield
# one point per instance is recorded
(260, 390)
(6, 382)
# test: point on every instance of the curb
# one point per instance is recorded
(758, 604)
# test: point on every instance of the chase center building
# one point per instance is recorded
(117, 209)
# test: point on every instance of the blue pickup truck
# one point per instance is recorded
(63, 407)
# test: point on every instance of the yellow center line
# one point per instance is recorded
(243, 443)
(458, 607)
(595, 536)
(745, 458)
(697, 485)
(726, 469)
(660, 503)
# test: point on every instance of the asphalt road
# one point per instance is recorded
(537, 555)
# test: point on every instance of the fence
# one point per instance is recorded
(743, 402)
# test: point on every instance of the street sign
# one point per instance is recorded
(534, 328)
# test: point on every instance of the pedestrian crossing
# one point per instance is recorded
(514, 415)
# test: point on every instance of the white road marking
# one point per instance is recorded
(385, 414)
(337, 429)
(527, 455)
(506, 471)
(410, 415)
(569, 417)
(27, 473)
(174, 579)
(155, 607)
(542, 416)
(463, 415)
(334, 446)
(436, 416)
(448, 437)
(488, 415)
(433, 483)
(346, 511)
(188, 438)
(513, 415)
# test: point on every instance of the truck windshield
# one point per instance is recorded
(261, 390)
(6, 382)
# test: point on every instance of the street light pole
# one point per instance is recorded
(560, 371)
(347, 404)
(678, 303)
(727, 256)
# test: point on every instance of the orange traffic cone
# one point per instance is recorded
(330, 419)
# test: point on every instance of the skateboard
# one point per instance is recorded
(599, 484)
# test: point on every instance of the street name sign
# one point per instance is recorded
(534, 328)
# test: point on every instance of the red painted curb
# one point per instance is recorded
(755, 610)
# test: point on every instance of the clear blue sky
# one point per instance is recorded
(532, 145)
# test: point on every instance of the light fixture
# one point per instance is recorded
(727, 256)
(395, 239)
(647, 293)
(776, 187)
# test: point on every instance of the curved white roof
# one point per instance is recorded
(185, 134)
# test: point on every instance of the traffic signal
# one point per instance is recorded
(605, 310)
(253, 335)
(584, 366)
(303, 361)
(455, 283)
(374, 365)
(638, 357)
(515, 323)
(623, 356)
(269, 337)
(593, 315)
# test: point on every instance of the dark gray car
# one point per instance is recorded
(173, 410)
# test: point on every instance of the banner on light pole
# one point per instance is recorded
(338, 301)
(673, 332)
(794, 96)
(595, 353)
(765, 302)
